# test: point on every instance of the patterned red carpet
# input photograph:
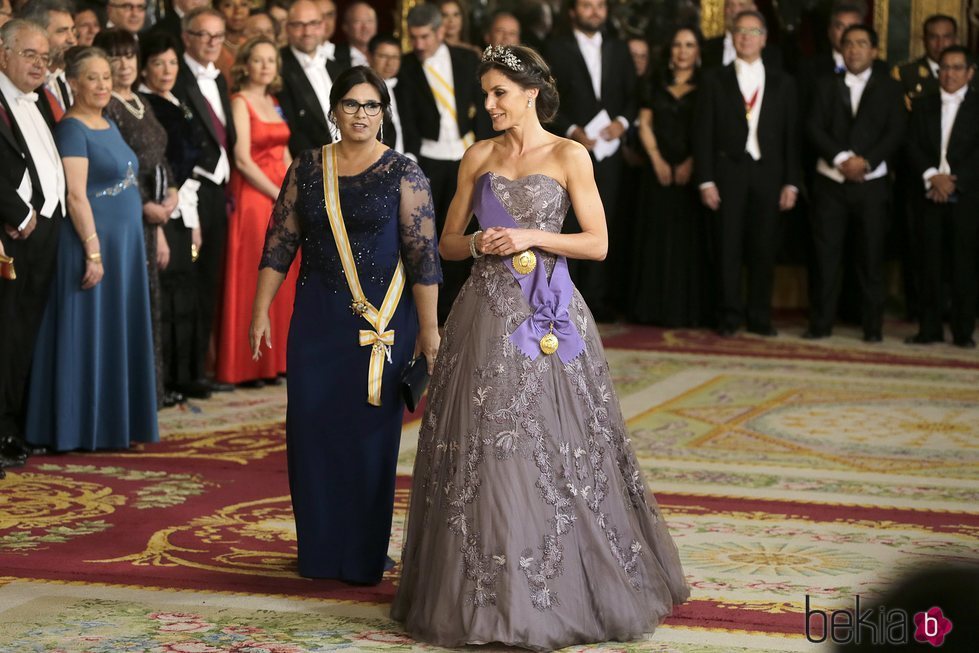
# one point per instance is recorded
(784, 468)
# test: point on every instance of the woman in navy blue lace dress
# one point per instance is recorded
(342, 446)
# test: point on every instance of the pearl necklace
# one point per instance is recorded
(138, 111)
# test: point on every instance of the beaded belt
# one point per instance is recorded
(127, 181)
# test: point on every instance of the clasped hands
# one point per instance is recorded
(613, 131)
(711, 197)
(854, 169)
(942, 187)
(504, 241)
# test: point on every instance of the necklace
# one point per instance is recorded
(139, 110)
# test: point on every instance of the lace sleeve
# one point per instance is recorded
(419, 245)
(284, 234)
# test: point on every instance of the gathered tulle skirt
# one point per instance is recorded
(530, 523)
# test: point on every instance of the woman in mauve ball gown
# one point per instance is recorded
(530, 523)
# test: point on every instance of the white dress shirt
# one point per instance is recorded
(839, 65)
(42, 148)
(751, 80)
(950, 109)
(933, 66)
(730, 54)
(358, 58)
(449, 146)
(591, 50)
(206, 81)
(52, 84)
(857, 84)
(399, 142)
(314, 66)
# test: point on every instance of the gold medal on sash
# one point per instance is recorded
(524, 262)
(549, 343)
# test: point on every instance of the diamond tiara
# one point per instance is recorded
(503, 55)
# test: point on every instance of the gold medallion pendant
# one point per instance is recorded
(524, 262)
(549, 343)
(358, 306)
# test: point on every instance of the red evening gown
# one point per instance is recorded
(248, 220)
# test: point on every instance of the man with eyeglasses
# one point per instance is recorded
(129, 15)
(309, 66)
(719, 50)
(32, 203)
(202, 87)
(746, 161)
(54, 16)
(857, 125)
(943, 149)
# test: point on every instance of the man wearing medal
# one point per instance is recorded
(747, 165)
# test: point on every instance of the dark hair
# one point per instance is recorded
(535, 74)
(239, 69)
(77, 55)
(970, 58)
(753, 13)
(37, 10)
(117, 42)
(156, 42)
(848, 8)
(937, 18)
(359, 75)
(666, 73)
(383, 39)
(424, 15)
(866, 29)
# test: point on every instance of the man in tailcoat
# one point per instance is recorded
(746, 162)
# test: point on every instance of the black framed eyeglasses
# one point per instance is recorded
(371, 107)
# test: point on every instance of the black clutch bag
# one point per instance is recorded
(414, 380)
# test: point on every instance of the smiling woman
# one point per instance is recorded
(103, 396)
(374, 242)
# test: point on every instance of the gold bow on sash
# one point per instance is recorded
(380, 339)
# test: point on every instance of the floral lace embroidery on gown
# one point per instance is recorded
(530, 523)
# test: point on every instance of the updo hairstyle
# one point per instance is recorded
(527, 69)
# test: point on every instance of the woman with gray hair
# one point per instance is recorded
(93, 384)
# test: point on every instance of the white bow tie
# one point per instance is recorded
(952, 98)
(27, 98)
(852, 80)
(391, 82)
(320, 57)
(209, 72)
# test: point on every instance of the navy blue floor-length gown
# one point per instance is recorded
(342, 451)
(93, 378)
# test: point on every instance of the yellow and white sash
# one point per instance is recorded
(445, 98)
(377, 337)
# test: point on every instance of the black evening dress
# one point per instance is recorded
(670, 278)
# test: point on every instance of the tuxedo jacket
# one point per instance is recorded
(307, 121)
(420, 117)
(390, 132)
(15, 159)
(924, 140)
(712, 54)
(187, 91)
(170, 24)
(578, 102)
(721, 128)
(877, 131)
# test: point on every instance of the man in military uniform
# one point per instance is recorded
(920, 76)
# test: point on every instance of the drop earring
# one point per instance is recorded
(530, 103)
(380, 135)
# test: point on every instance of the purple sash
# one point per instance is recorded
(548, 299)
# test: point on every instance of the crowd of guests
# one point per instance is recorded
(143, 146)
